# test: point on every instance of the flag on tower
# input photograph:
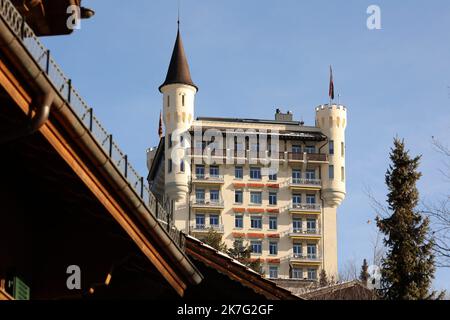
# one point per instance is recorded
(160, 129)
(331, 91)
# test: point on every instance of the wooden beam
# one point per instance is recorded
(65, 150)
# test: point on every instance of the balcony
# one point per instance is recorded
(317, 157)
(311, 234)
(208, 179)
(305, 184)
(230, 154)
(309, 259)
(305, 208)
(204, 228)
(309, 157)
(207, 204)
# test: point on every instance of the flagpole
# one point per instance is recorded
(330, 93)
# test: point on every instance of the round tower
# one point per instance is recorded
(178, 111)
(332, 120)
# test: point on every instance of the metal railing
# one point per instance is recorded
(307, 182)
(305, 206)
(305, 232)
(208, 203)
(207, 227)
(63, 85)
(208, 177)
(303, 257)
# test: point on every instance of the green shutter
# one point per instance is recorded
(21, 291)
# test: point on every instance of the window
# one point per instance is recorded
(214, 220)
(214, 171)
(310, 149)
(297, 250)
(256, 247)
(297, 225)
(239, 172)
(200, 195)
(342, 149)
(331, 145)
(296, 199)
(256, 197)
(273, 177)
(238, 196)
(170, 141)
(311, 225)
(255, 173)
(311, 174)
(182, 100)
(273, 248)
(297, 273)
(214, 196)
(296, 149)
(312, 274)
(343, 174)
(200, 172)
(256, 222)
(331, 171)
(169, 166)
(200, 221)
(239, 222)
(168, 101)
(273, 272)
(273, 198)
(311, 251)
(311, 199)
(296, 176)
(182, 166)
(273, 223)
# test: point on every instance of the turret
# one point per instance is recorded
(332, 120)
(178, 112)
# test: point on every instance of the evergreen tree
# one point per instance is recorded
(243, 254)
(214, 239)
(323, 279)
(408, 267)
(364, 275)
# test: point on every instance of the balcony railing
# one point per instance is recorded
(63, 84)
(305, 258)
(208, 203)
(229, 153)
(208, 178)
(305, 182)
(208, 227)
(306, 207)
(305, 232)
(317, 157)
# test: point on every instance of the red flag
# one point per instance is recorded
(160, 129)
(331, 91)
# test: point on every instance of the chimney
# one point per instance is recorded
(280, 116)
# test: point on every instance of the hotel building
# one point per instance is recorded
(284, 208)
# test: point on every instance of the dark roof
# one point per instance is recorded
(352, 290)
(223, 263)
(179, 68)
(243, 120)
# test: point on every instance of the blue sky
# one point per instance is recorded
(250, 57)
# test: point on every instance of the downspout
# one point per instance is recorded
(40, 118)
